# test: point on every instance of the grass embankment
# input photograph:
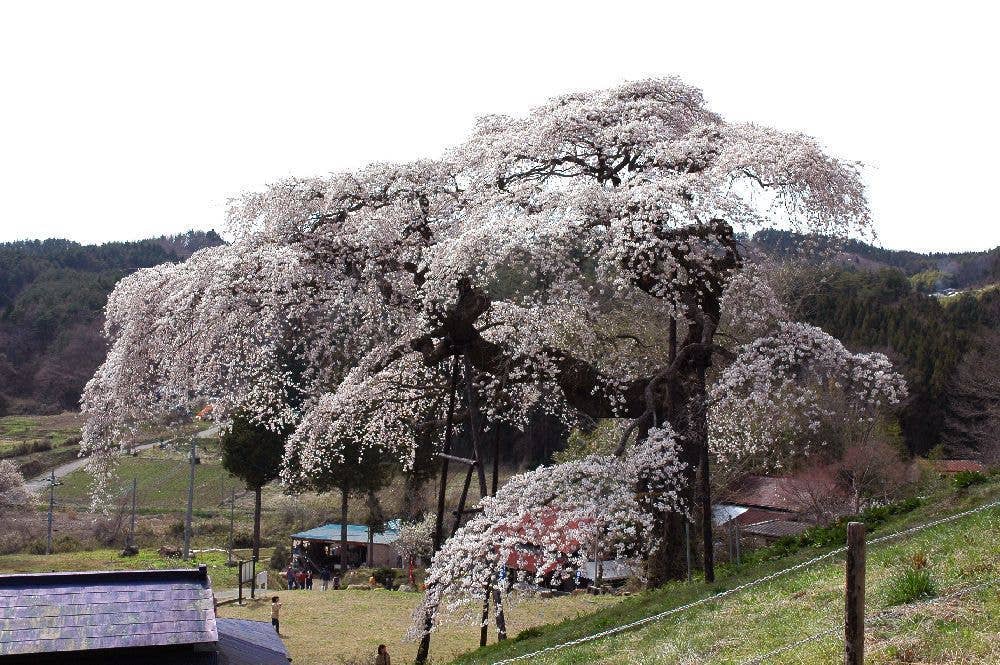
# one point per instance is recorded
(752, 622)
(330, 627)
(162, 476)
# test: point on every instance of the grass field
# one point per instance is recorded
(332, 627)
(752, 622)
(222, 575)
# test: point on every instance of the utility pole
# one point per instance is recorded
(52, 502)
(232, 520)
(190, 505)
(131, 529)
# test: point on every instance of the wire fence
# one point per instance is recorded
(784, 572)
(870, 620)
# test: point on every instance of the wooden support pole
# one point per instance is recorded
(455, 458)
(854, 587)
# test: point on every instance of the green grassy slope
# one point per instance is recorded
(752, 622)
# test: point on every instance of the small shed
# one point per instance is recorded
(153, 617)
(321, 546)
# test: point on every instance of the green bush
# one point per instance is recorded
(280, 558)
(965, 479)
(528, 633)
(836, 533)
(910, 585)
(384, 576)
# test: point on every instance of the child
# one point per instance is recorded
(275, 612)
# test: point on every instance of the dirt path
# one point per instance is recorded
(42, 482)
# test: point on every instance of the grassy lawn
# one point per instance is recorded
(337, 626)
(750, 623)
(222, 575)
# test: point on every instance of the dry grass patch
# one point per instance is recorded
(340, 626)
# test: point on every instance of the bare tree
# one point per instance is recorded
(974, 408)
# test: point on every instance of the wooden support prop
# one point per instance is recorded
(461, 502)
(463, 460)
(854, 608)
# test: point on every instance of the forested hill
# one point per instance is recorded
(52, 294)
(928, 273)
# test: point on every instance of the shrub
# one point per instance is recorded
(67, 543)
(280, 558)
(384, 576)
(965, 479)
(243, 539)
(910, 585)
(528, 633)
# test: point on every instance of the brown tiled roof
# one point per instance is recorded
(758, 515)
(761, 492)
(775, 528)
(957, 465)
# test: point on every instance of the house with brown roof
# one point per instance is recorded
(762, 506)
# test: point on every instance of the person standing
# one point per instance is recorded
(325, 576)
(275, 614)
(290, 576)
(383, 656)
(309, 579)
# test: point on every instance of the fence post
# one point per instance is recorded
(239, 577)
(854, 587)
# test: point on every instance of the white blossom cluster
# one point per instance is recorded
(544, 525)
(773, 400)
(415, 540)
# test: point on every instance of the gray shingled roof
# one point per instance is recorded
(42, 613)
(245, 642)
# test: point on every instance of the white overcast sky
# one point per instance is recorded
(119, 121)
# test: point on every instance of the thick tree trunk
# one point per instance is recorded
(423, 649)
(699, 431)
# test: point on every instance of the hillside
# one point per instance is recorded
(929, 272)
(956, 620)
(52, 294)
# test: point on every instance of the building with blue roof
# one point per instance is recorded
(320, 546)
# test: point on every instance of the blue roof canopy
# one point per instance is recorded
(356, 533)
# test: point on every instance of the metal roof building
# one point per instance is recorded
(356, 533)
(153, 617)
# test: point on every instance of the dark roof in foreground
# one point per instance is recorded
(245, 642)
(59, 612)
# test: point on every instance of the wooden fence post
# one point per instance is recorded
(854, 608)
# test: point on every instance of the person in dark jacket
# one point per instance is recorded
(382, 658)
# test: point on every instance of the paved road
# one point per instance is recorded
(42, 482)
